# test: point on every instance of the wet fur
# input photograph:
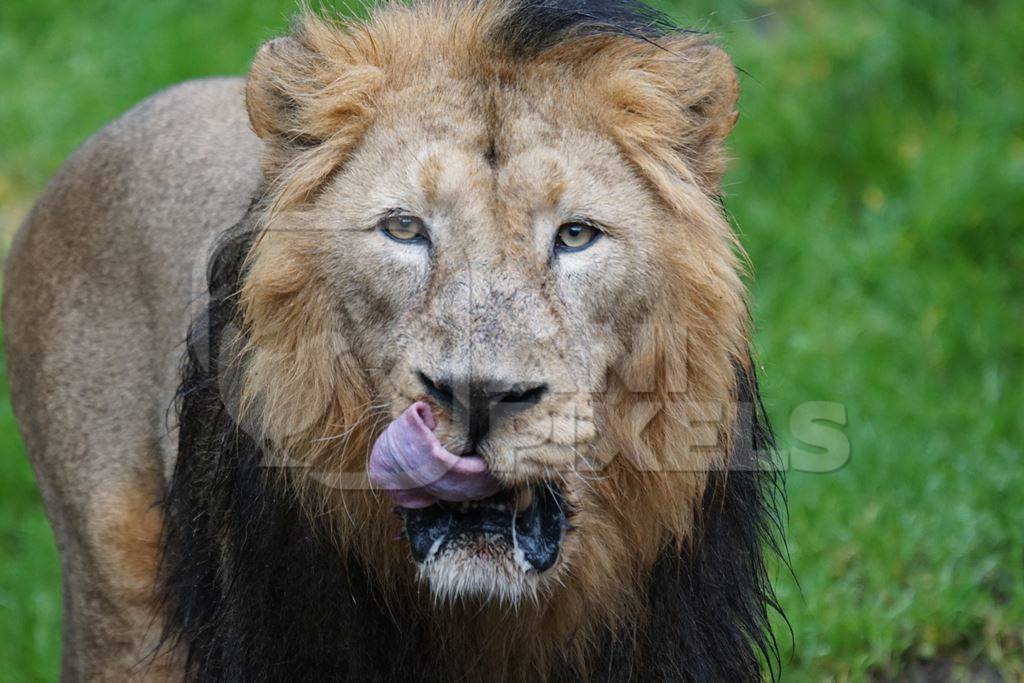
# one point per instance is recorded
(314, 613)
(258, 561)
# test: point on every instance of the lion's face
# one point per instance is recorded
(524, 247)
(497, 270)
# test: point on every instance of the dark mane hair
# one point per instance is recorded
(256, 589)
(253, 587)
(532, 27)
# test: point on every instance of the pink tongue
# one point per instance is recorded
(410, 463)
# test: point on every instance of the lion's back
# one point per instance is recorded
(101, 274)
(99, 285)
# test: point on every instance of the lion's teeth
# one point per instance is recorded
(524, 499)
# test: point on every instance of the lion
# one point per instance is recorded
(467, 389)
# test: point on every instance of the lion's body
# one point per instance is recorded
(185, 554)
(99, 290)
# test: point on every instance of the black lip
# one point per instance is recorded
(536, 531)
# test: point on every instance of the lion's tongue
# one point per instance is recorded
(410, 463)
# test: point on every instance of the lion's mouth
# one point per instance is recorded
(528, 521)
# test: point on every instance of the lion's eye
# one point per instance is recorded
(575, 237)
(403, 228)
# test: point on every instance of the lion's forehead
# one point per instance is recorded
(496, 165)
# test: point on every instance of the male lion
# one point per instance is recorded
(474, 248)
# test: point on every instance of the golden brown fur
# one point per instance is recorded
(665, 415)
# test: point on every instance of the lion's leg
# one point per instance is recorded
(107, 525)
(98, 465)
(110, 553)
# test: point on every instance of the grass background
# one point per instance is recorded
(879, 188)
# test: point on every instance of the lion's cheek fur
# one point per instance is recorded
(319, 336)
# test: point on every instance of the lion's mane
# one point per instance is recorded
(266, 577)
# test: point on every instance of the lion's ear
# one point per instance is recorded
(677, 101)
(709, 88)
(273, 89)
(310, 98)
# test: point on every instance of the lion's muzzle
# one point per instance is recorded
(455, 510)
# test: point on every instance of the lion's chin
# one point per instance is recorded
(503, 548)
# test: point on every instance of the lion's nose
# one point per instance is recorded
(480, 402)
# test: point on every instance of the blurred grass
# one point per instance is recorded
(879, 186)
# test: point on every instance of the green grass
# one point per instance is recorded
(879, 186)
